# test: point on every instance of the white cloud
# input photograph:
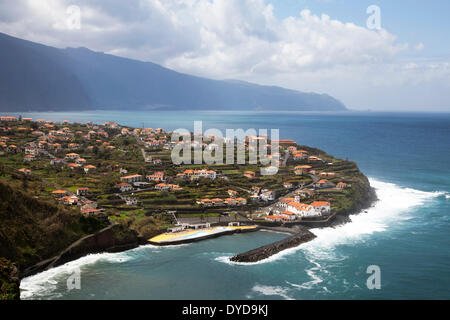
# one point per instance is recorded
(240, 39)
(419, 47)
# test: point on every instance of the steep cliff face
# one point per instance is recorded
(36, 235)
(9, 280)
(110, 239)
(360, 196)
(32, 230)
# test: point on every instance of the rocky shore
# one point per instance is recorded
(115, 238)
(301, 234)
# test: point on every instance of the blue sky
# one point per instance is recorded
(321, 46)
(411, 20)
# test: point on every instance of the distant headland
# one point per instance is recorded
(79, 79)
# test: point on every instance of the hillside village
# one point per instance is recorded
(121, 173)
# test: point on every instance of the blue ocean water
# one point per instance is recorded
(407, 232)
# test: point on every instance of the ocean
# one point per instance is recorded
(406, 233)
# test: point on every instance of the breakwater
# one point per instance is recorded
(300, 235)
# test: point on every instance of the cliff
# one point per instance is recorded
(114, 238)
(32, 230)
(9, 280)
(36, 235)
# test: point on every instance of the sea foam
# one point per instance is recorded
(272, 291)
(46, 281)
(392, 206)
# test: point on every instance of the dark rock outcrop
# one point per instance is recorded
(265, 252)
(114, 238)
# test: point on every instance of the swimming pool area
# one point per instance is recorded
(174, 237)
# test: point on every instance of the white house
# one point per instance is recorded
(72, 156)
(132, 178)
(130, 201)
(124, 187)
(290, 215)
(302, 210)
(268, 195)
(323, 184)
(323, 207)
(162, 187)
(157, 176)
(208, 174)
(82, 191)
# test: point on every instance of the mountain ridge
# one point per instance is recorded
(36, 77)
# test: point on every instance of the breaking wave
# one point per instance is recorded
(392, 206)
(46, 282)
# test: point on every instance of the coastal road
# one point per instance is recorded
(286, 158)
(142, 144)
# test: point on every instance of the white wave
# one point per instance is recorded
(313, 274)
(159, 248)
(272, 291)
(447, 196)
(392, 206)
(46, 281)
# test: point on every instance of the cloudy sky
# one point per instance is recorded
(323, 46)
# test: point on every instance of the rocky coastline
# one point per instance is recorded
(117, 238)
(114, 238)
(300, 235)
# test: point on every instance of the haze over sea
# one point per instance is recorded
(407, 232)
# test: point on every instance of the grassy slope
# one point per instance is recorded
(32, 230)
